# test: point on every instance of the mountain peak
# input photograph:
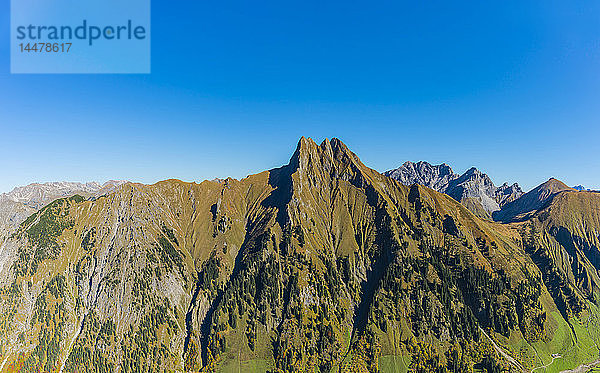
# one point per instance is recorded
(473, 171)
(532, 201)
(554, 185)
(328, 152)
(436, 177)
(473, 187)
(305, 143)
(581, 188)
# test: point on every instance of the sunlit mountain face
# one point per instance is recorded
(322, 265)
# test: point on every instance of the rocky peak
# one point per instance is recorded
(473, 172)
(508, 193)
(330, 157)
(473, 188)
(477, 187)
(436, 177)
(473, 176)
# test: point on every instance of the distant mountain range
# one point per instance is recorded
(473, 189)
(21, 202)
(321, 265)
(581, 188)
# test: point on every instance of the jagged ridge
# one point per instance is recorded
(473, 189)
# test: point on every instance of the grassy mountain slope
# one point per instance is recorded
(321, 265)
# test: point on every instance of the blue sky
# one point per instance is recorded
(510, 87)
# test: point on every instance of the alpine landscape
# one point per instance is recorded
(322, 265)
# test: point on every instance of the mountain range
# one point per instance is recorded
(21, 202)
(473, 189)
(322, 265)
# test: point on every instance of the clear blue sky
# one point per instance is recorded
(510, 87)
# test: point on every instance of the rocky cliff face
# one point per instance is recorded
(507, 193)
(321, 265)
(473, 189)
(436, 177)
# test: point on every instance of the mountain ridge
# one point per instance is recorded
(21, 202)
(323, 264)
(473, 188)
